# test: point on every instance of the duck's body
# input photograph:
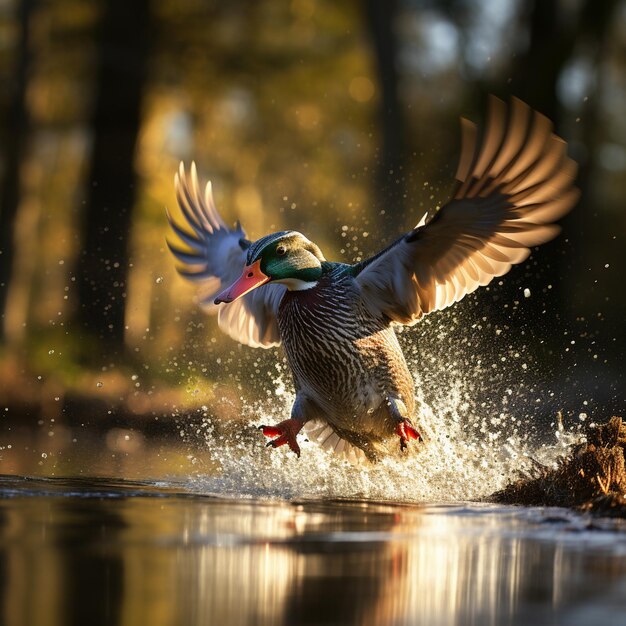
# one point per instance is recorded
(336, 321)
(346, 363)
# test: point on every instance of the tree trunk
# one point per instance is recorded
(14, 145)
(535, 80)
(390, 181)
(111, 195)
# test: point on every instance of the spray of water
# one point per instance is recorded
(474, 411)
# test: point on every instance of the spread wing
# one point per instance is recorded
(511, 190)
(214, 258)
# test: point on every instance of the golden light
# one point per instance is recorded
(361, 89)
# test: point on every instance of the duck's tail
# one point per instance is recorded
(322, 433)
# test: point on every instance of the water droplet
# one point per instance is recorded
(50, 351)
(159, 280)
(99, 384)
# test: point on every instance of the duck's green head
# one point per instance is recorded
(286, 257)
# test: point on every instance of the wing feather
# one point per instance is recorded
(213, 258)
(513, 185)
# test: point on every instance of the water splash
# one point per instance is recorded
(463, 459)
(476, 407)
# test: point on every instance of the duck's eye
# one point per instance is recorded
(281, 251)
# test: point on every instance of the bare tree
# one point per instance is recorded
(121, 74)
(553, 37)
(390, 183)
(15, 135)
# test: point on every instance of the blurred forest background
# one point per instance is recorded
(339, 119)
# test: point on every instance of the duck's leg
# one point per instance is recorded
(404, 429)
(286, 431)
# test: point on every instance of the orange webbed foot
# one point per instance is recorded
(285, 433)
(406, 432)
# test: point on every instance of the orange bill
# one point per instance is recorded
(251, 278)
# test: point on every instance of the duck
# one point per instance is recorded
(337, 322)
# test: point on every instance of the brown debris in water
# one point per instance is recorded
(592, 477)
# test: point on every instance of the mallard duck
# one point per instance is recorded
(336, 321)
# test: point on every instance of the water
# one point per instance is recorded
(467, 455)
(86, 551)
(220, 530)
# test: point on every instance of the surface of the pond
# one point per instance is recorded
(96, 552)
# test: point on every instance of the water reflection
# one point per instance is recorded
(190, 560)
